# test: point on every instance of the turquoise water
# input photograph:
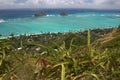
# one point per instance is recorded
(56, 23)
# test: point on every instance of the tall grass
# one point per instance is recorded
(88, 38)
(74, 63)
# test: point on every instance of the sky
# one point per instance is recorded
(89, 4)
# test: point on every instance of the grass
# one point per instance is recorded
(60, 59)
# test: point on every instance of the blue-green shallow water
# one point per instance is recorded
(24, 22)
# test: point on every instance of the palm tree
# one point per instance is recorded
(0, 35)
(12, 34)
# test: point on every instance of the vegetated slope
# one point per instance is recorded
(61, 57)
(111, 40)
(55, 39)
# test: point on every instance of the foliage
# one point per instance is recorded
(115, 43)
(66, 60)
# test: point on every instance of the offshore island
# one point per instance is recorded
(58, 40)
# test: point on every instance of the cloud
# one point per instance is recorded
(101, 4)
(110, 4)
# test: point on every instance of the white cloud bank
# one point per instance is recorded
(93, 4)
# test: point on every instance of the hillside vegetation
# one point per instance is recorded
(88, 55)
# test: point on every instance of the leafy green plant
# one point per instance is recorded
(59, 60)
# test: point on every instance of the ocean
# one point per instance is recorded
(23, 21)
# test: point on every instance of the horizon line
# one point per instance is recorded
(57, 8)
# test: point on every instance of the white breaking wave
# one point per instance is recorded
(87, 15)
(117, 15)
(2, 21)
(82, 15)
(50, 15)
(102, 15)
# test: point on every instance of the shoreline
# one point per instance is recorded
(50, 33)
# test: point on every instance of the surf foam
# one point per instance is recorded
(2, 21)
